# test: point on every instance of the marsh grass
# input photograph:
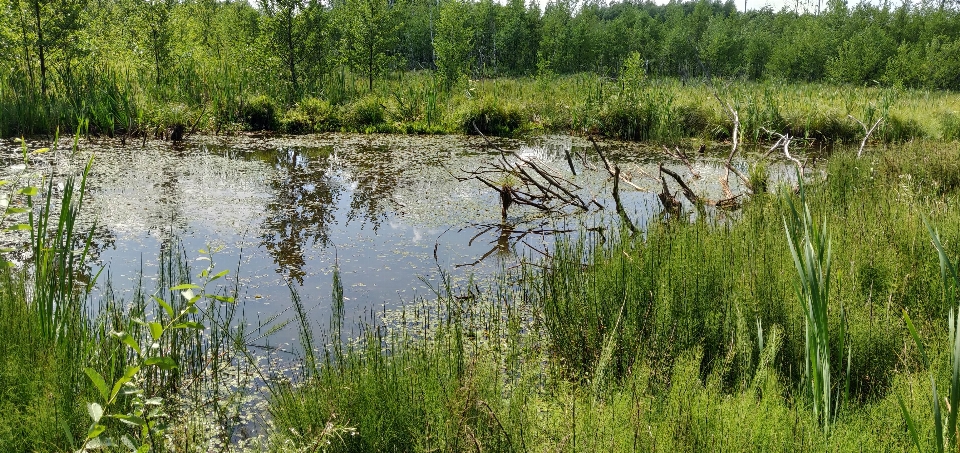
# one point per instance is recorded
(686, 338)
(121, 102)
(55, 329)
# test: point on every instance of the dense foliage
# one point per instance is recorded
(128, 64)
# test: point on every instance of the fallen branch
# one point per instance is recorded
(606, 165)
(785, 140)
(682, 157)
(616, 199)
(683, 186)
(529, 184)
(735, 116)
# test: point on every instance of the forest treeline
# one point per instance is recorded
(94, 56)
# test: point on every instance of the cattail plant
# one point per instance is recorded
(810, 249)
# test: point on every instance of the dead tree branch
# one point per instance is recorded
(785, 140)
(682, 157)
(735, 117)
(606, 165)
(687, 192)
(525, 183)
(866, 132)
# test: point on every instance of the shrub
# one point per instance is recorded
(364, 114)
(491, 117)
(950, 126)
(321, 113)
(259, 113)
(296, 121)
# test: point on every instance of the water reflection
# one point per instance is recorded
(304, 204)
(376, 175)
(386, 209)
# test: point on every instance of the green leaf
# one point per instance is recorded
(220, 274)
(19, 227)
(130, 419)
(41, 151)
(99, 443)
(17, 211)
(95, 411)
(127, 376)
(188, 325)
(189, 295)
(155, 401)
(28, 191)
(95, 431)
(165, 363)
(225, 299)
(185, 286)
(166, 307)
(156, 330)
(128, 340)
(97, 380)
(916, 338)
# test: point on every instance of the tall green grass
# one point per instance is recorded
(120, 101)
(57, 335)
(686, 338)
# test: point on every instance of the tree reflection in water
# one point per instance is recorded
(308, 186)
(376, 175)
(306, 191)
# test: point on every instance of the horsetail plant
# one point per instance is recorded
(951, 283)
(810, 249)
(146, 411)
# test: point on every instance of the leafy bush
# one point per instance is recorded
(259, 113)
(364, 113)
(950, 126)
(491, 117)
(295, 121)
(322, 115)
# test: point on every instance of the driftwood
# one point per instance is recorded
(687, 192)
(616, 199)
(784, 140)
(682, 157)
(735, 116)
(614, 172)
(525, 182)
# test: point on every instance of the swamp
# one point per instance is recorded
(466, 225)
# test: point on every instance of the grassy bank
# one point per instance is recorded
(688, 338)
(632, 108)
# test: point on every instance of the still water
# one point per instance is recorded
(391, 211)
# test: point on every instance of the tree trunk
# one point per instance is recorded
(370, 70)
(291, 61)
(26, 47)
(40, 45)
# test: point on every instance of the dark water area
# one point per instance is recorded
(390, 211)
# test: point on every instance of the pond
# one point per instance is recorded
(392, 212)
